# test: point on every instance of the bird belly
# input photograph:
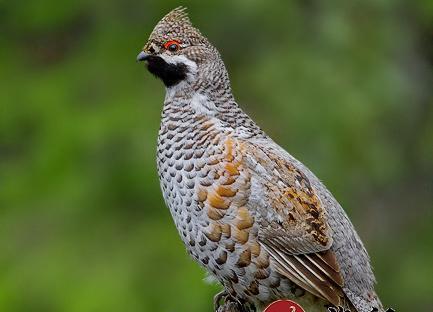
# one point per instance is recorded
(207, 191)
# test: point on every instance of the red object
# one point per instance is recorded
(169, 43)
(284, 306)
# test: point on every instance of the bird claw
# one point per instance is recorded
(230, 304)
(217, 299)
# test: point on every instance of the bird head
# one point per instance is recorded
(176, 51)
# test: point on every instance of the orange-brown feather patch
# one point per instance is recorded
(226, 229)
(215, 214)
(225, 191)
(255, 248)
(241, 236)
(232, 169)
(244, 219)
(215, 232)
(216, 201)
(229, 148)
(202, 194)
(244, 258)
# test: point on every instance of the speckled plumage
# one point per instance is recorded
(255, 217)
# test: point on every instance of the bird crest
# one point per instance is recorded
(178, 14)
(176, 25)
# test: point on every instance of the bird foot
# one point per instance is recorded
(229, 303)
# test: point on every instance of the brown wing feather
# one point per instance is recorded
(285, 268)
(294, 228)
(311, 273)
(327, 289)
(330, 268)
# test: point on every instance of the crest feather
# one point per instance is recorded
(176, 25)
(178, 14)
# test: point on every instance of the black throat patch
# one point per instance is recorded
(170, 74)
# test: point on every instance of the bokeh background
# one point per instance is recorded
(345, 86)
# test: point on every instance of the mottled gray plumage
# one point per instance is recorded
(255, 217)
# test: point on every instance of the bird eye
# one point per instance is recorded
(172, 45)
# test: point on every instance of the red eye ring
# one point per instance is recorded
(172, 45)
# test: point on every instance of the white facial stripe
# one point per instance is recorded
(176, 59)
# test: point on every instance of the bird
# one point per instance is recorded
(257, 219)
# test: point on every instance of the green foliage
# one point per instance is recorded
(345, 87)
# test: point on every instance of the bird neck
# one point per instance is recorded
(210, 79)
(194, 110)
(209, 95)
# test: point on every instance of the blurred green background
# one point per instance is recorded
(345, 86)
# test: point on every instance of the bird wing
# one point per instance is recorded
(293, 225)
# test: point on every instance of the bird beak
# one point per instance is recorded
(142, 56)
